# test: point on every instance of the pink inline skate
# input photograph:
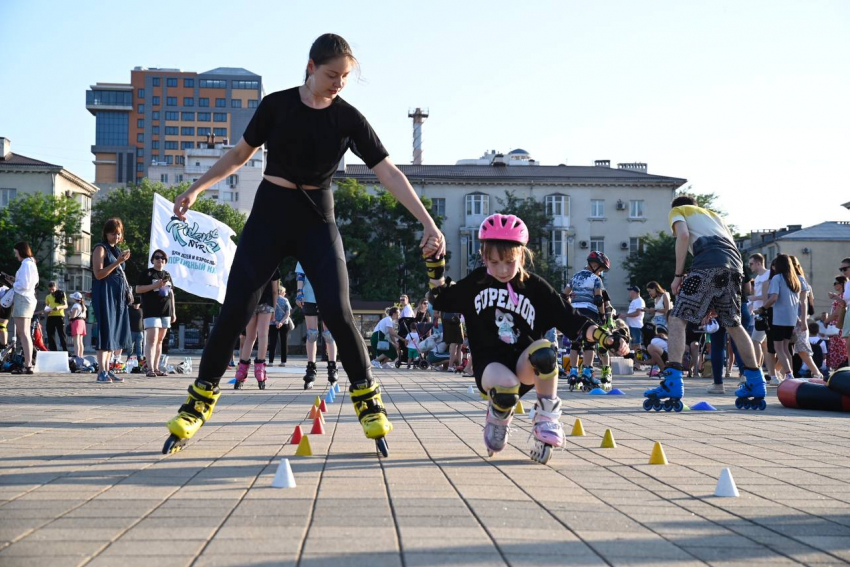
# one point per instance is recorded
(260, 373)
(548, 432)
(241, 374)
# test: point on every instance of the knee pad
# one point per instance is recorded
(329, 338)
(543, 360)
(312, 335)
(504, 398)
(2, 326)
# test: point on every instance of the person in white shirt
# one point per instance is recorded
(25, 282)
(385, 339)
(761, 281)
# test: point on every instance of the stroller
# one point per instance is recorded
(416, 332)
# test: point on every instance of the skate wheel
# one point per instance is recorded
(678, 406)
(541, 453)
(382, 446)
(647, 404)
(657, 406)
(739, 403)
(423, 364)
(173, 444)
(308, 385)
(262, 385)
(398, 364)
(762, 405)
(668, 405)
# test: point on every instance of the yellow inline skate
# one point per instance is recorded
(366, 397)
(193, 414)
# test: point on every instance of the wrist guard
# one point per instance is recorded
(610, 341)
(436, 267)
(299, 295)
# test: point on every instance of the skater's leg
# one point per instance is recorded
(676, 339)
(330, 344)
(312, 345)
(502, 387)
(262, 320)
(250, 338)
(538, 366)
(718, 342)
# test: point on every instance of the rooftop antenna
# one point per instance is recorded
(419, 115)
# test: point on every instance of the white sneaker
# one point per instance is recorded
(717, 389)
(389, 365)
(376, 364)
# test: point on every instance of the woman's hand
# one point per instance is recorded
(433, 242)
(184, 202)
(125, 255)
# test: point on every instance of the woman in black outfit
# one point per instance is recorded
(306, 130)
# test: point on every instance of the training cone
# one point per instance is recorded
(304, 449)
(519, 410)
(726, 485)
(329, 398)
(232, 381)
(284, 478)
(322, 407)
(318, 427)
(578, 429)
(318, 401)
(598, 392)
(313, 410)
(608, 440)
(470, 390)
(297, 435)
(616, 392)
(703, 406)
(658, 457)
(336, 387)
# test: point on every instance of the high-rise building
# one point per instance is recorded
(161, 113)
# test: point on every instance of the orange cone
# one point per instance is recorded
(313, 411)
(318, 427)
(323, 407)
(296, 435)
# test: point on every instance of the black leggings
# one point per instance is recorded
(56, 325)
(274, 333)
(286, 222)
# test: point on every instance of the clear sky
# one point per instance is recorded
(748, 99)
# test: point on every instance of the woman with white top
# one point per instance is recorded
(385, 333)
(783, 294)
(662, 303)
(25, 282)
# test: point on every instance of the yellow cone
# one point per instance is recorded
(318, 401)
(658, 457)
(519, 409)
(578, 429)
(304, 449)
(608, 440)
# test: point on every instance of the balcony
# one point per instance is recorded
(560, 221)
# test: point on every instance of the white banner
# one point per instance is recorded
(200, 251)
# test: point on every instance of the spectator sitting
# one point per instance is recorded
(385, 339)
(658, 347)
(820, 354)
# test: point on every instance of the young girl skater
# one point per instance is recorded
(306, 130)
(507, 312)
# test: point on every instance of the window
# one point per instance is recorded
(188, 101)
(140, 137)
(155, 115)
(187, 131)
(557, 206)
(477, 204)
(220, 117)
(7, 195)
(209, 84)
(164, 178)
(221, 103)
(473, 250)
(172, 115)
(597, 243)
(141, 109)
(204, 117)
(253, 103)
(82, 245)
(635, 246)
(229, 196)
(171, 101)
(155, 145)
(189, 83)
(245, 84)
(140, 152)
(203, 102)
(112, 128)
(171, 130)
(155, 130)
(203, 131)
(187, 116)
(597, 208)
(236, 103)
(438, 206)
(141, 93)
(170, 145)
(220, 132)
(556, 246)
(181, 160)
(172, 82)
(140, 123)
(187, 145)
(155, 101)
(155, 81)
(140, 167)
(109, 98)
(636, 209)
(170, 159)
(179, 177)
(233, 180)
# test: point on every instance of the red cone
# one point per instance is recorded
(318, 428)
(323, 407)
(296, 435)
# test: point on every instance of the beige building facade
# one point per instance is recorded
(591, 208)
(21, 175)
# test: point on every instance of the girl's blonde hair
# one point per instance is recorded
(509, 251)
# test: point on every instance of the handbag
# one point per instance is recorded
(290, 323)
(8, 298)
(383, 345)
(128, 291)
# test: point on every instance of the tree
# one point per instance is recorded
(381, 242)
(708, 201)
(133, 204)
(533, 214)
(656, 261)
(47, 223)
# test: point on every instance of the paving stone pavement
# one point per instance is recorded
(83, 481)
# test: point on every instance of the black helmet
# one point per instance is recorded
(599, 258)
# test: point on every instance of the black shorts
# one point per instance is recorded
(5, 312)
(780, 333)
(310, 309)
(479, 363)
(452, 333)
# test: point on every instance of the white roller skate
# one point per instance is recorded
(548, 431)
(500, 413)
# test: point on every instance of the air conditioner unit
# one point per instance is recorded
(624, 245)
(807, 250)
(582, 243)
(621, 206)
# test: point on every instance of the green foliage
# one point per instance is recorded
(381, 240)
(134, 205)
(533, 214)
(45, 222)
(708, 201)
(657, 261)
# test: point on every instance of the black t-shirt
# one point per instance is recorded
(305, 145)
(136, 317)
(494, 324)
(154, 304)
(268, 292)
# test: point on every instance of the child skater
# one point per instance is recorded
(508, 312)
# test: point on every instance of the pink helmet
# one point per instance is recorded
(504, 227)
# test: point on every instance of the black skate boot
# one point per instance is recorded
(310, 375)
(333, 372)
